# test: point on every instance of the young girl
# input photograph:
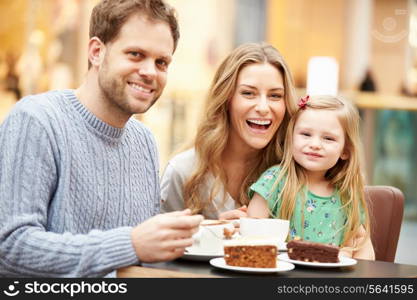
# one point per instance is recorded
(319, 185)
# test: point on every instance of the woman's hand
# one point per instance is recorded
(237, 213)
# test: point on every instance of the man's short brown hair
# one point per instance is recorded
(109, 16)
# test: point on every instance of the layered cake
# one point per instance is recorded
(253, 253)
(312, 252)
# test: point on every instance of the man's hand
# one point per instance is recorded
(165, 236)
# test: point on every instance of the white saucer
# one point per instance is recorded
(198, 255)
(282, 266)
(343, 262)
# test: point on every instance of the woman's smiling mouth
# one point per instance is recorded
(259, 124)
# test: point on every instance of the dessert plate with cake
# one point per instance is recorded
(213, 235)
(251, 255)
(281, 266)
(343, 262)
(313, 254)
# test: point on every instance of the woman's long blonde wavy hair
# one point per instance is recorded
(213, 132)
(346, 175)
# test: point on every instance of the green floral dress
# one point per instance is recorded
(324, 217)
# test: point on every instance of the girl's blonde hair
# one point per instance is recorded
(213, 132)
(346, 175)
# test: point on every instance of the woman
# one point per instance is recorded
(247, 110)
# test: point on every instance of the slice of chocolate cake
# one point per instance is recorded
(312, 252)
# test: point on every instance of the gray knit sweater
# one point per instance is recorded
(71, 188)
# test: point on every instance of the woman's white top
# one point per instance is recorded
(177, 171)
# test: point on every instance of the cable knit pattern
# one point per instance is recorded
(71, 188)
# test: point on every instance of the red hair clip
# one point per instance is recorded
(303, 102)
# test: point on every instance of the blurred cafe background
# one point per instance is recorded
(365, 50)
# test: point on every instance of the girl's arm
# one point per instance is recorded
(258, 207)
(366, 251)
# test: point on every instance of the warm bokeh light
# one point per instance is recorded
(322, 76)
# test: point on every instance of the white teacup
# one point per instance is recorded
(210, 236)
(276, 229)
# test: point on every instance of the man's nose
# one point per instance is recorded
(147, 69)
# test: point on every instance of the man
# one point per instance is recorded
(78, 173)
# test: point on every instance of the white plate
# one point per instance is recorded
(343, 262)
(282, 266)
(193, 254)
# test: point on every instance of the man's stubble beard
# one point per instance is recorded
(115, 94)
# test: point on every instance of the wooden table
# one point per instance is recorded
(182, 268)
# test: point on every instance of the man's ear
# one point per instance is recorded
(96, 51)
